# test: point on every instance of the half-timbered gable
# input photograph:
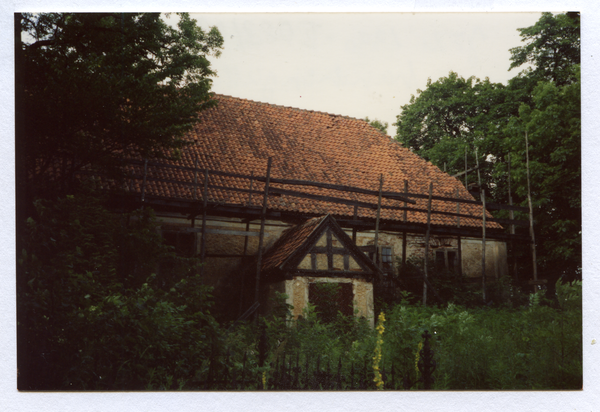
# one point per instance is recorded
(319, 251)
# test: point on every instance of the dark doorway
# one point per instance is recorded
(331, 298)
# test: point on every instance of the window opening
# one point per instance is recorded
(331, 298)
(446, 259)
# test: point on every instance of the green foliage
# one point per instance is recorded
(378, 124)
(532, 347)
(453, 115)
(95, 87)
(553, 124)
(92, 311)
(553, 47)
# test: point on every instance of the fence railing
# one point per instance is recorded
(293, 370)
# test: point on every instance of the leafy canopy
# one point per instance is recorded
(378, 124)
(97, 87)
(454, 116)
(553, 47)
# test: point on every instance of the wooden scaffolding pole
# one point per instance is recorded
(427, 245)
(404, 217)
(466, 170)
(512, 226)
(144, 182)
(354, 217)
(459, 239)
(483, 247)
(245, 245)
(203, 232)
(483, 226)
(194, 195)
(531, 232)
(376, 241)
(262, 233)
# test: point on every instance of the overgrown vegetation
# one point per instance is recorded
(94, 312)
(534, 346)
(104, 304)
(99, 316)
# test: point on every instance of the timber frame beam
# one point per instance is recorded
(191, 208)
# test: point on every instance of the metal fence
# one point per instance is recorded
(292, 371)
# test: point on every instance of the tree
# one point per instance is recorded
(378, 124)
(544, 102)
(553, 47)
(553, 125)
(455, 116)
(102, 303)
(94, 88)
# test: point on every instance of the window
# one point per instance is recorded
(331, 298)
(183, 242)
(446, 258)
(384, 258)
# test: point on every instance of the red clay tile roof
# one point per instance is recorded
(289, 242)
(239, 135)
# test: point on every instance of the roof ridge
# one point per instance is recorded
(290, 107)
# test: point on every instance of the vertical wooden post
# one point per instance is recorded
(144, 182)
(262, 232)
(483, 228)
(355, 217)
(531, 232)
(195, 176)
(329, 248)
(459, 240)
(466, 169)
(203, 232)
(427, 245)
(512, 227)
(404, 218)
(478, 171)
(245, 245)
(375, 243)
(483, 246)
(248, 204)
(195, 187)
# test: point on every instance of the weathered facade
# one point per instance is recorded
(253, 168)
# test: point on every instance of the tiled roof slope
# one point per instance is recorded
(289, 241)
(239, 135)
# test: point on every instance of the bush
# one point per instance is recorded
(92, 311)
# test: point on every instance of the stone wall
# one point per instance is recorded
(298, 297)
(218, 269)
(496, 254)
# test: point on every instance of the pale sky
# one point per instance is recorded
(358, 64)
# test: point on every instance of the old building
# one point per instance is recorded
(252, 165)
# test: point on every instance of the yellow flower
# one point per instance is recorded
(417, 356)
(378, 354)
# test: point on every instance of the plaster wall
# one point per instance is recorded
(216, 268)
